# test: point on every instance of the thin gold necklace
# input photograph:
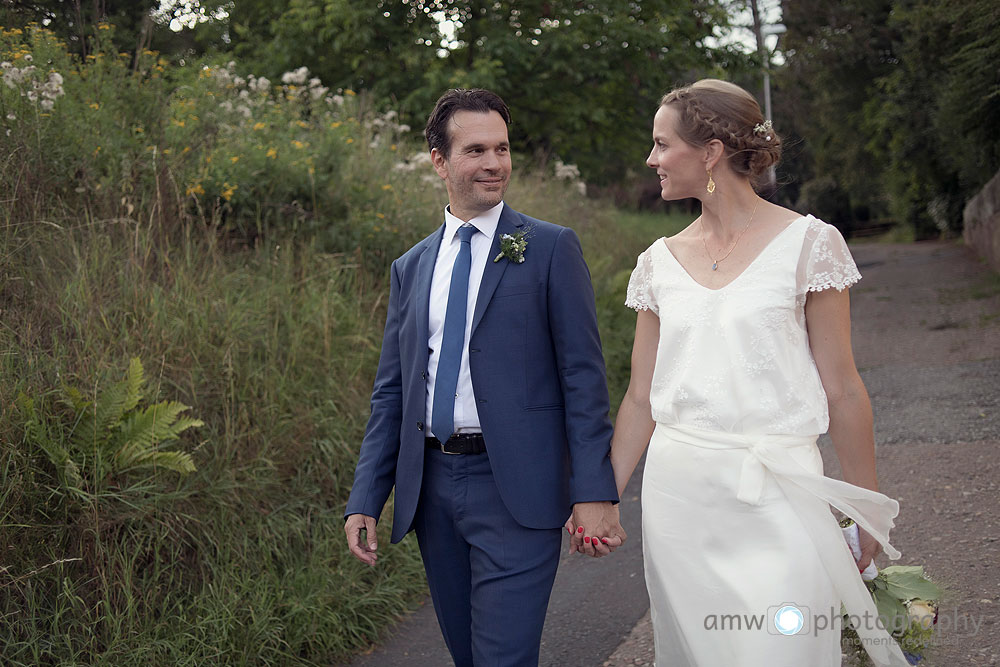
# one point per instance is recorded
(715, 262)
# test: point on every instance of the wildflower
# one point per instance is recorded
(47, 105)
(138, 130)
(380, 216)
(392, 147)
(95, 105)
(302, 123)
(271, 153)
(350, 93)
(387, 187)
(103, 26)
(187, 149)
(297, 77)
(194, 189)
(11, 116)
(349, 140)
(56, 78)
(234, 159)
(228, 190)
(312, 170)
(97, 150)
(259, 126)
(336, 124)
(28, 57)
(178, 123)
(167, 151)
(298, 144)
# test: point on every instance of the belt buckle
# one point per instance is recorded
(444, 451)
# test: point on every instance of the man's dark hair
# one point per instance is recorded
(460, 99)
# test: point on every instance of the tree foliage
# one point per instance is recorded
(897, 101)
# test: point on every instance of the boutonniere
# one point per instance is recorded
(512, 246)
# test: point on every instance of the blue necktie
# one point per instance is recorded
(453, 340)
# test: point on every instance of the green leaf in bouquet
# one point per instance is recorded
(890, 609)
(909, 583)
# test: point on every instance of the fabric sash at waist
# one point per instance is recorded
(810, 495)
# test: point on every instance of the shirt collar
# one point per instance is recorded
(486, 222)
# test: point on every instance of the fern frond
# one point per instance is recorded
(180, 462)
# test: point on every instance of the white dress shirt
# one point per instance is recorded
(466, 415)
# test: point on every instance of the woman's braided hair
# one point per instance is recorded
(713, 109)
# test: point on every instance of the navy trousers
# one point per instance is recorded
(489, 577)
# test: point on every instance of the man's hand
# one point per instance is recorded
(596, 529)
(362, 549)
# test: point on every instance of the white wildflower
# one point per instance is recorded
(244, 111)
(47, 105)
(6, 64)
(296, 77)
(317, 93)
(581, 187)
(403, 128)
(226, 105)
(28, 58)
(568, 172)
(239, 81)
(11, 116)
(337, 99)
(32, 96)
(55, 78)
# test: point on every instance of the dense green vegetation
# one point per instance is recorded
(235, 238)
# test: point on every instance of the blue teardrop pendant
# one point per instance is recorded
(715, 265)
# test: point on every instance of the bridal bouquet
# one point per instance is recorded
(907, 603)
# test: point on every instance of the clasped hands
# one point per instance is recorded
(595, 529)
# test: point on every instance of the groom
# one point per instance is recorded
(490, 405)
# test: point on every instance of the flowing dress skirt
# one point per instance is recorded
(745, 564)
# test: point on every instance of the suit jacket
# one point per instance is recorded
(537, 372)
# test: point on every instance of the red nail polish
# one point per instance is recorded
(604, 539)
(569, 530)
(580, 529)
(587, 539)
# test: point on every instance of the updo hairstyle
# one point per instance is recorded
(713, 109)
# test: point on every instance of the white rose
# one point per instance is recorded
(922, 612)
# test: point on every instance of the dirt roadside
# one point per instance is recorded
(926, 336)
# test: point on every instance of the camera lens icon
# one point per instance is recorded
(789, 620)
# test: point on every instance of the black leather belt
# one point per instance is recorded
(459, 443)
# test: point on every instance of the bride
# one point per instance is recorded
(742, 357)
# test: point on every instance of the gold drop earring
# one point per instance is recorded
(711, 183)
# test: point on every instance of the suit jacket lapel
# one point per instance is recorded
(509, 223)
(425, 271)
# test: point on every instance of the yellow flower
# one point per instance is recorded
(228, 190)
(350, 92)
(387, 187)
(194, 189)
(97, 150)
(349, 140)
(167, 151)
(259, 126)
(298, 144)
(103, 26)
(178, 123)
(138, 130)
(302, 123)
(393, 147)
(336, 124)
(208, 159)
(380, 216)
(271, 153)
(312, 170)
(187, 149)
(95, 105)
(234, 159)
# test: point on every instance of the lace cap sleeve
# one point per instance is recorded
(826, 261)
(640, 286)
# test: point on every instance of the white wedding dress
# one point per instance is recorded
(736, 511)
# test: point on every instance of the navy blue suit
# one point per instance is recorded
(541, 394)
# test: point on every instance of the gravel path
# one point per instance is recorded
(927, 341)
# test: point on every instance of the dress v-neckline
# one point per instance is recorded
(745, 269)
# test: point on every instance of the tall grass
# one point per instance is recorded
(252, 289)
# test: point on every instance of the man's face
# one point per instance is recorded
(477, 171)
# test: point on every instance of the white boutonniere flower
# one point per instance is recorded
(512, 246)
